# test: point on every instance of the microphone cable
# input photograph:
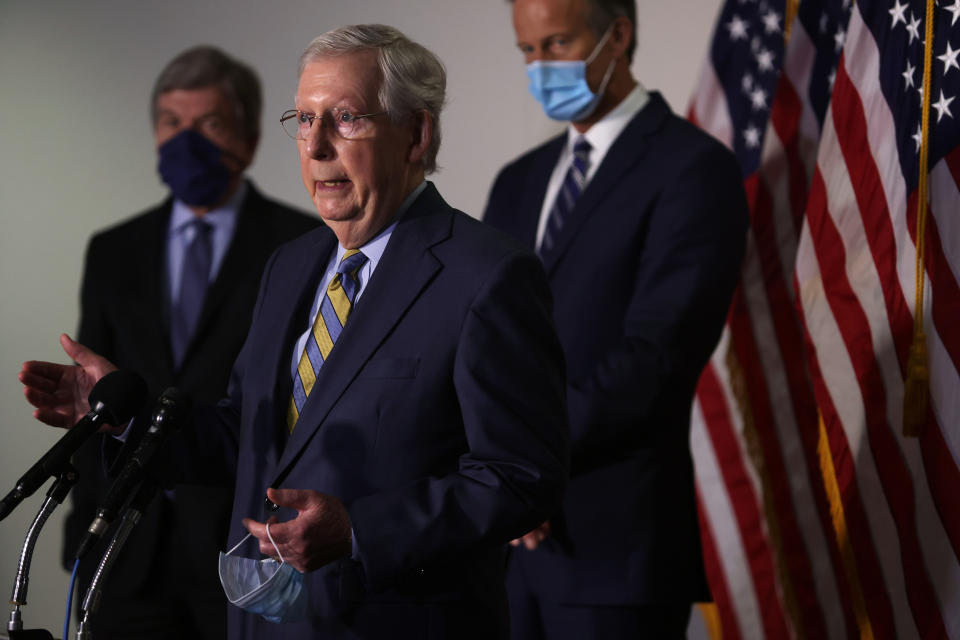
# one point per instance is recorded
(73, 584)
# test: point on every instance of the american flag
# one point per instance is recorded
(842, 527)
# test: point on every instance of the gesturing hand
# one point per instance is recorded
(318, 535)
(59, 391)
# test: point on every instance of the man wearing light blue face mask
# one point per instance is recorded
(640, 221)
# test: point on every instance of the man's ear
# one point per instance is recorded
(621, 36)
(421, 129)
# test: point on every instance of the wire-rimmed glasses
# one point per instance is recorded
(345, 123)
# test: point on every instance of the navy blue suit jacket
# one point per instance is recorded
(642, 274)
(438, 420)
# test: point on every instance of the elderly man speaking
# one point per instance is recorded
(397, 413)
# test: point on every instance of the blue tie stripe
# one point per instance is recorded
(570, 189)
(299, 395)
(350, 285)
(313, 352)
(330, 319)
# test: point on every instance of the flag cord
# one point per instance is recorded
(916, 385)
(834, 496)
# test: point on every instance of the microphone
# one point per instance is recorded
(115, 399)
(168, 415)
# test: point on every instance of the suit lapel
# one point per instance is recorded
(406, 268)
(626, 151)
(293, 312)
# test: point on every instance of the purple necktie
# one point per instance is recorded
(194, 278)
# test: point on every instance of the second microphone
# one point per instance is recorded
(168, 416)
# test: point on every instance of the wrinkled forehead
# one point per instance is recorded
(350, 79)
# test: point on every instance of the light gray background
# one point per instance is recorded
(76, 154)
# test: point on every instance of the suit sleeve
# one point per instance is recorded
(508, 376)
(688, 268)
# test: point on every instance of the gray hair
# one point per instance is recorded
(413, 77)
(206, 66)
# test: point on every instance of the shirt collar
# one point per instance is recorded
(181, 215)
(604, 132)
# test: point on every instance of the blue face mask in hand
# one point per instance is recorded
(561, 85)
(266, 587)
(192, 167)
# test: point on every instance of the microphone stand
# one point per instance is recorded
(66, 478)
(131, 516)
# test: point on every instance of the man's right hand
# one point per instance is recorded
(59, 391)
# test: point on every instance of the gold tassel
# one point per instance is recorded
(711, 619)
(916, 387)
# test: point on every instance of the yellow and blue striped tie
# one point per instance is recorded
(331, 318)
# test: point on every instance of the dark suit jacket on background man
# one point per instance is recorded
(641, 274)
(640, 220)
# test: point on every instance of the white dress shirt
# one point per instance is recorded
(601, 137)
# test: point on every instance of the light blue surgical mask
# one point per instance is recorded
(266, 587)
(561, 85)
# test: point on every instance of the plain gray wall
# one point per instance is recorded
(76, 153)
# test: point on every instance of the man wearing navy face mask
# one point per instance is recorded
(640, 221)
(170, 293)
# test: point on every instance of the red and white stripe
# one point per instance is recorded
(770, 549)
(855, 278)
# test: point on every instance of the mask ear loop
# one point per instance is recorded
(603, 41)
(606, 77)
(276, 548)
(610, 67)
(237, 546)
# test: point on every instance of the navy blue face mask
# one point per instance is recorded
(192, 167)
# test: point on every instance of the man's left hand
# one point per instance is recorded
(319, 534)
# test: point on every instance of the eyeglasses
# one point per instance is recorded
(346, 124)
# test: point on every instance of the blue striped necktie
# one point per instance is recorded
(334, 310)
(570, 190)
